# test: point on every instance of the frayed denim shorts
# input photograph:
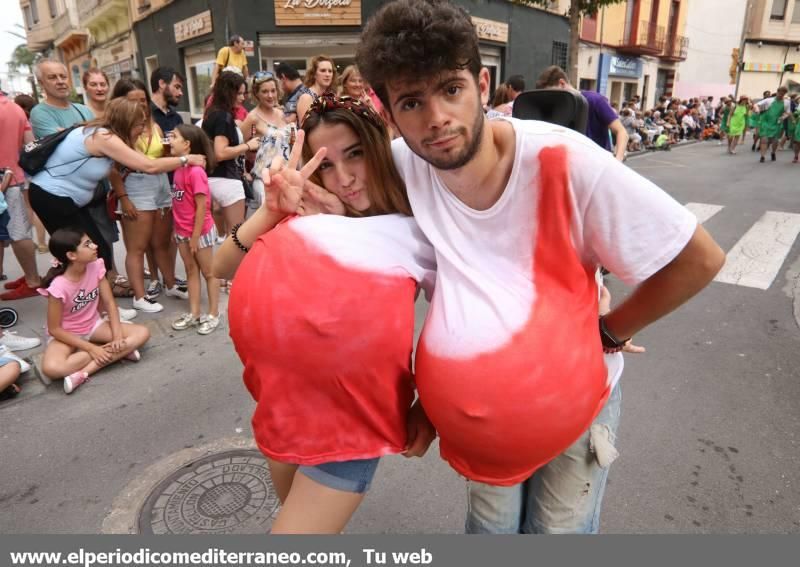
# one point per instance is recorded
(347, 476)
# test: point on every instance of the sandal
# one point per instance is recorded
(122, 288)
(11, 391)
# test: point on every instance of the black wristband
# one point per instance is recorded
(235, 238)
(610, 342)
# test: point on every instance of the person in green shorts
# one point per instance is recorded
(736, 123)
(773, 111)
(796, 135)
(724, 112)
(753, 118)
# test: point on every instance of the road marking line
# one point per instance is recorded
(758, 256)
(703, 211)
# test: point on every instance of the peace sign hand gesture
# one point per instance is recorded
(283, 183)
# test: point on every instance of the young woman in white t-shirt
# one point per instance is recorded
(322, 316)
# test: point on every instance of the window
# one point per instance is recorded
(559, 56)
(53, 8)
(34, 12)
(778, 10)
(199, 66)
(142, 5)
(150, 65)
(796, 12)
(26, 10)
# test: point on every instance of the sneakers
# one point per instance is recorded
(126, 314)
(12, 341)
(74, 380)
(20, 292)
(177, 291)
(154, 289)
(219, 240)
(185, 321)
(134, 356)
(773, 159)
(5, 352)
(208, 325)
(15, 284)
(180, 282)
(147, 305)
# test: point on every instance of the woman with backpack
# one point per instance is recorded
(61, 190)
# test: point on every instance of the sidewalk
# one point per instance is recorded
(33, 314)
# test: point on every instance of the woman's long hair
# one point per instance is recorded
(385, 188)
(501, 95)
(62, 241)
(120, 118)
(224, 93)
(124, 86)
(311, 75)
(199, 143)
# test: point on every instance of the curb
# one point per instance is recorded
(672, 147)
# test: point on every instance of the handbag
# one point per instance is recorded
(249, 194)
(34, 155)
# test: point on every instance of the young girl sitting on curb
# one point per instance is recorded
(195, 232)
(81, 342)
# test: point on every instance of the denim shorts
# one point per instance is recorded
(4, 220)
(347, 476)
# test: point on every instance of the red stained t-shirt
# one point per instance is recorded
(322, 316)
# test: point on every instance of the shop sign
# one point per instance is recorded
(193, 27)
(625, 66)
(491, 30)
(317, 12)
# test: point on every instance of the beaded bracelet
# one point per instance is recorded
(235, 238)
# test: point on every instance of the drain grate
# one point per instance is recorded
(229, 492)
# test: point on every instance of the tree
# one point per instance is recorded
(577, 9)
(24, 57)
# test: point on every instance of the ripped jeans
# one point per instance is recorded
(562, 497)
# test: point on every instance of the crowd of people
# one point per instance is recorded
(727, 120)
(331, 200)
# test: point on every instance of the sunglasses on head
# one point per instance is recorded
(261, 76)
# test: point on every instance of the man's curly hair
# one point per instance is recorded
(416, 39)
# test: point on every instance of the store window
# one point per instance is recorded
(199, 67)
(778, 10)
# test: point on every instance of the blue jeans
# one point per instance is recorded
(562, 497)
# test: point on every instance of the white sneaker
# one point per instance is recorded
(15, 342)
(126, 314)
(176, 291)
(6, 353)
(219, 240)
(208, 324)
(147, 305)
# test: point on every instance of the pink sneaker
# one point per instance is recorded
(134, 356)
(74, 380)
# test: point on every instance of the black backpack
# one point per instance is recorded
(33, 157)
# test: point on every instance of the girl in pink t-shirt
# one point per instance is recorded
(81, 342)
(195, 232)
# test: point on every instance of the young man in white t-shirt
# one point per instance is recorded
(510, 364)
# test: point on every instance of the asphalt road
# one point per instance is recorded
(708, 437)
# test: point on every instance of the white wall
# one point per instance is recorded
(714, 29)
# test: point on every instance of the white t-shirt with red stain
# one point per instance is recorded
(322, 316)
(509, 366)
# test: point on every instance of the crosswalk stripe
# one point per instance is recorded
(703, 211)
(757, 258)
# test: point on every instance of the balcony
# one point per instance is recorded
(675, 49)
(644, 38)
(40, 36)
(93, 11)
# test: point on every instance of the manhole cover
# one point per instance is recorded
(228, 492)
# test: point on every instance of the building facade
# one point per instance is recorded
(633, 48)
(771, 54)
(714, 29)
(186, 35)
